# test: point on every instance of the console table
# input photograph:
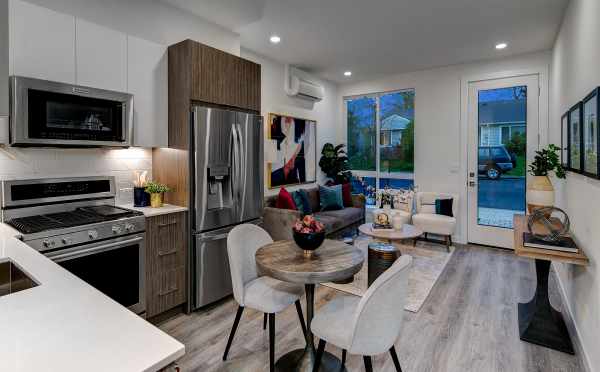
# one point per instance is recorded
(539, 322)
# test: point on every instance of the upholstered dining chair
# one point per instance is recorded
(262, 293)
(369, 325)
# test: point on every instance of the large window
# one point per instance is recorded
(381, 140)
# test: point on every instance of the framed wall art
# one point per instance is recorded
(590, 135)
(290, 151)
(575, 138)
(564, 139)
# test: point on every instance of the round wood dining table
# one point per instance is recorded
(285, 261)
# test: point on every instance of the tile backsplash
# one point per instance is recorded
(20, 163)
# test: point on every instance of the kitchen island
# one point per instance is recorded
(64, 324)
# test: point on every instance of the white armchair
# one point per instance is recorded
(427, 220)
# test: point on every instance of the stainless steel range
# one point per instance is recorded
(74, 222)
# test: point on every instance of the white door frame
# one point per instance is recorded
(542, 71)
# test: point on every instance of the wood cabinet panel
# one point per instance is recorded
(166, 247)
(224, 79)
(166, 242)
(167, 290)
(251, 88)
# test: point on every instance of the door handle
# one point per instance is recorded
(472, 184)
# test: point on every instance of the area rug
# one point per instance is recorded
(429, 261)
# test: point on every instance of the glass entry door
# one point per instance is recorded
(503, 138)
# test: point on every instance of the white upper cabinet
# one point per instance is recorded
(101, 57)
(148, 82)
(42, 43)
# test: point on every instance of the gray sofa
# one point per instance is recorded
(279, 222)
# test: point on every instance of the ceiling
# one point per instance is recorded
(374, 38)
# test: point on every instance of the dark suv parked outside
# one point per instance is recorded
(495, 160)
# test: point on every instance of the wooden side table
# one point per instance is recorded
(539, 322)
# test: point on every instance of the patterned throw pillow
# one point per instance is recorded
(302, 202)
(331, 198)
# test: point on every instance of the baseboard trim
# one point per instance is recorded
(571, 325)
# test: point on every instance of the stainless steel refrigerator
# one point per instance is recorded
(227, 190)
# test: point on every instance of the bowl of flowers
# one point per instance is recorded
(308, 234)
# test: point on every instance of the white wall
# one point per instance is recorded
(440, 153)
(150, 20)
(274, 100)
(575, 72)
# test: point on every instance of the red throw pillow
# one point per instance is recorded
(285, 200)
(347, 195)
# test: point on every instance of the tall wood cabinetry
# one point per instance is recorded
(203, 75)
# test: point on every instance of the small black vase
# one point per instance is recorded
(308, 242)
(140, 197)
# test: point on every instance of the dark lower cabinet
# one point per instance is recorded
(166, 245)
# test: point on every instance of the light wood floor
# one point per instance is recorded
(468, 323)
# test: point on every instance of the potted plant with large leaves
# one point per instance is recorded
(540, 192)
(334, 163)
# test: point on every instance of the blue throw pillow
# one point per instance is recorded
(302, 202)
(331, 198)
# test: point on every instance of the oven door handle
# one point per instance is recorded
(92, 250)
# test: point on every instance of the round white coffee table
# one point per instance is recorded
(407, 232)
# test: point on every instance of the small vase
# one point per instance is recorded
(397, 222)
(540, 193)
(140, 197)
(156, 200)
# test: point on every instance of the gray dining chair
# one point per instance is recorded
(369, 325)
(262, 293)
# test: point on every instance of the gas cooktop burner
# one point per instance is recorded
(78, 217)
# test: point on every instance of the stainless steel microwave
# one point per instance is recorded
(45, 113)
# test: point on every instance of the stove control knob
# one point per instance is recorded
(129, 227)
(93, 234)
(116, 229)
(46, 243)
(66, 241)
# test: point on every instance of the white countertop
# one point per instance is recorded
(149, 211)
(64, 324)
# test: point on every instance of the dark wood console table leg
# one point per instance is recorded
(304, 359)
(539, 322)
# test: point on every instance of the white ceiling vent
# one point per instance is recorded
(300, 84)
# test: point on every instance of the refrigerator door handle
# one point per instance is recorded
(238, 160)
(234, 164)
(243, 170)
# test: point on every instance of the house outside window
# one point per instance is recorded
(380, 139)
(500, 120)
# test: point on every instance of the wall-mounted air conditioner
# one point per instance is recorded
(300, 84)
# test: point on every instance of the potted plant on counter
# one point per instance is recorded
(156, 191)
(540, 192)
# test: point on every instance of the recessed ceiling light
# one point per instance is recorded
(348, 73)
(275, 39)
(501, 45)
